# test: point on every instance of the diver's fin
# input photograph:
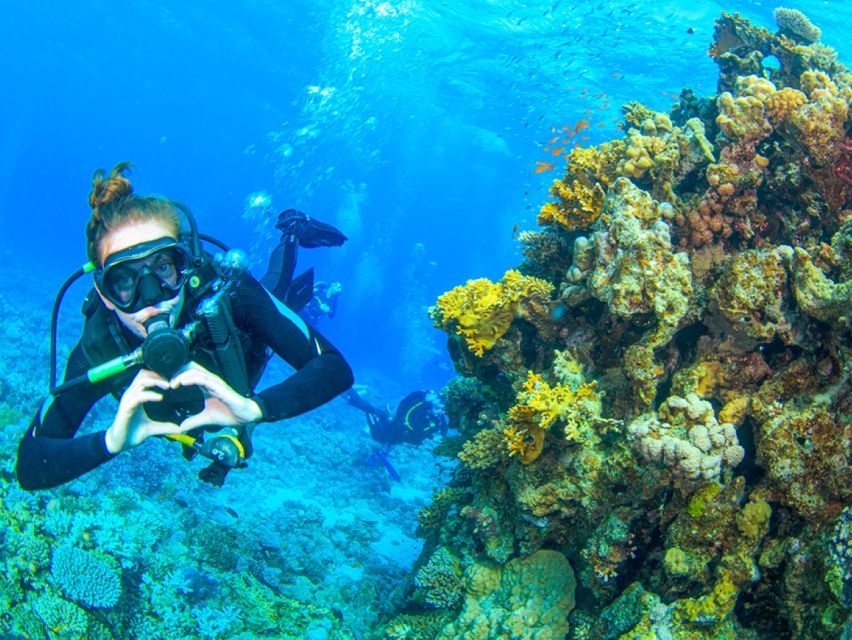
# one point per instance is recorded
(300, 291)
(309, 231)
(387, 464)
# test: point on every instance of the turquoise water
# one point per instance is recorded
(414, 126)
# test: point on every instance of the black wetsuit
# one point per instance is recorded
(50, 455)
(417, 418)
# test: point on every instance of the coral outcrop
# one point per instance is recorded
(678, 427)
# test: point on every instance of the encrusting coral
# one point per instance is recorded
(668, 403)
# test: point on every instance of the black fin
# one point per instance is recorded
(309, 231)
(301, 291)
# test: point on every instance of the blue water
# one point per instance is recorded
(415, 126)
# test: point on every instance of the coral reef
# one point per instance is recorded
(483, 311)
(86, 578)
(685, 436)
(526, 598)
(678, 428)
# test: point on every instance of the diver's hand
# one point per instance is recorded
(131, 425)
(223, 406)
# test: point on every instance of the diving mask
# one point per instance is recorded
(145, 274)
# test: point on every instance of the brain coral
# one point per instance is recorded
(528, 598)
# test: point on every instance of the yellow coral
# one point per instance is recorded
(540, 405)
(526, 443)
(482, 311)
(782, 103)
(743, 118)
(817, 83)
(579, 205)
(753, 520)
(709, 608)
(580, 193)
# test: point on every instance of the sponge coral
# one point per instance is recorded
(482, 311)
(525, 599)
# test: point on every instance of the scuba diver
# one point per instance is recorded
(418, 417)
(180, 338)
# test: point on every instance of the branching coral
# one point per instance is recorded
(89, 579)
(482, 311)
(795, 24)
(574, 403)
(440, 579)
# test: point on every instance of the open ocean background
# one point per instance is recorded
(415, 126)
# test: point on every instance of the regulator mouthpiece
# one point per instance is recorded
(165, 350)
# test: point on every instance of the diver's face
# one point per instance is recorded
(124, 237)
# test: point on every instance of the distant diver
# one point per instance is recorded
(180, 338)
(418, 417)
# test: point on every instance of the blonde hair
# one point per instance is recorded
(114, 204)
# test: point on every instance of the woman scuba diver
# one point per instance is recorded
(180, 339)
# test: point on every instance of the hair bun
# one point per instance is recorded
(109, 189)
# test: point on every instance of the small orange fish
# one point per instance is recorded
(601, 95)
(601, 124)
(515, 229)
(583, 124)
(557, 151)
(584, 137)
(554, 140)
(541, 166)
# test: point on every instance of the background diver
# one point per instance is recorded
(418, 417)
(180, 339)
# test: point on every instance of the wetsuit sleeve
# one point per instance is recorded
(49, 455)
(321, 371)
